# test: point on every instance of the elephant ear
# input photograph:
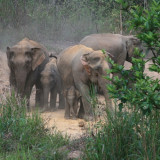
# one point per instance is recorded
(92, 61)
(38, 57)
(85, 62)
(9, 53)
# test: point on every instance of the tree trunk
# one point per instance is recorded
(121, 25)
(145, 4)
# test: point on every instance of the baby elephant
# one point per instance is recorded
(51, 83)
(72, 97)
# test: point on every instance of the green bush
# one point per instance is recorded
(134, 86)
(24, 135)
(125, 136)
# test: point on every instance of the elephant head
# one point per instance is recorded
(131, 43)
(22, 60)
(95, 62)
(96, 65)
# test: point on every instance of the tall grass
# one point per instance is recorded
(24, 136)
(126, 136)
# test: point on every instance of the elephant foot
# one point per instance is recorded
(88, 118)
(67, 117)
(61, 107)
(42, 109)
(73, 117)
(28, 109)
(54, 109)
(81, 116)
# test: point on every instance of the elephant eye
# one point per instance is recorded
(96, 59)
(27, 53)
(11, 54)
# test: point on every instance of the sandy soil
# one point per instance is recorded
(53, 119)
(67, 127)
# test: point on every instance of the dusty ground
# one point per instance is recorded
(69, 127)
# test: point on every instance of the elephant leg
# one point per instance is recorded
(53, 98)
(67, 109)
(12, 83)
(61, 100)
(72, 104)
(27, 96)
(75, 107)
(81, 109)
(39, 97)
(108, 100)
(45, 93)
(84, 90)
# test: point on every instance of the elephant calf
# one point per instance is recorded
(72, 97)
(51, 83)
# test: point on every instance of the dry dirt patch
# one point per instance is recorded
(67, 127)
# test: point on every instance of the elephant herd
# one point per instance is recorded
(70, 73)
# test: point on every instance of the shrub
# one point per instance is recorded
(125, 136)
(24, 134)
(144, 93)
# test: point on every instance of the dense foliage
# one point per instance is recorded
(134, 86)
(126, 135)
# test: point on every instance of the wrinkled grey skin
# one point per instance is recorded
(120, 47)
(51, 83)
(72, 98)
(79, 66)
(26, 60)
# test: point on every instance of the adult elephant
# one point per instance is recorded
(79, 66)
(26, 60)
(120, 47)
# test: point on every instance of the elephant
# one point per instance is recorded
(26, 61)
(80, 66)
(120, 47)
(72, 97)
(51, 83)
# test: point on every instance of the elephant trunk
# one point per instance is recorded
(20, 83)
(102, 82)
(45, 96)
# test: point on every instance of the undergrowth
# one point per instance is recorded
(24, 136)
(128, 135)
